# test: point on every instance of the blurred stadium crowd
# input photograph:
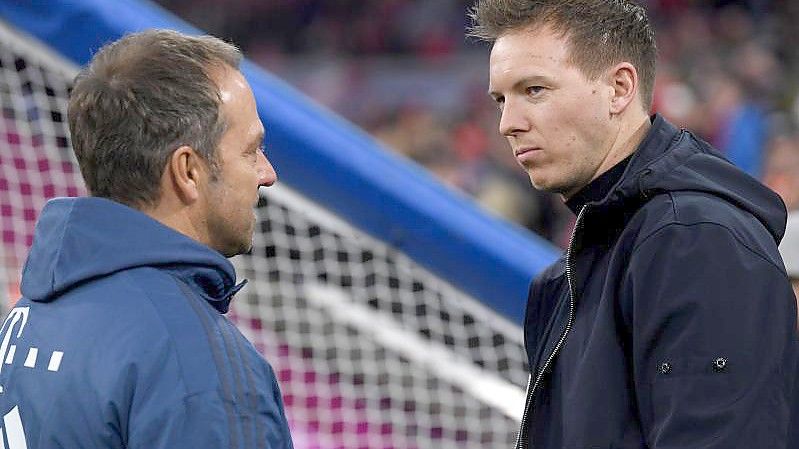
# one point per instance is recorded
(403, 70)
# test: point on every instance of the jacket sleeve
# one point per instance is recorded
(713, 338)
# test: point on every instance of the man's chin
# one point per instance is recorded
(540, 184)
(548, 185)
(244, 248)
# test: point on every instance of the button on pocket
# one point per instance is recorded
(719, 364)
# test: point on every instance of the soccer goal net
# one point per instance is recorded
(371, 350)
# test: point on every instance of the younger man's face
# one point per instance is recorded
(556, 120)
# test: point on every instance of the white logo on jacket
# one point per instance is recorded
(12, 421)
(17, 314)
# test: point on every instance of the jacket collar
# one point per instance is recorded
(79, 239)
(674, 160)
(657, 141)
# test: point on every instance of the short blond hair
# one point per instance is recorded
(601, 32)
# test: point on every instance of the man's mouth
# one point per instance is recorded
(525, 150)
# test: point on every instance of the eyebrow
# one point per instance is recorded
(522, 82)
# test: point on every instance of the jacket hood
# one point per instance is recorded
(671, 159)
(79, 239)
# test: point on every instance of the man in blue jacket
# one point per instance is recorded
(669, 322)
(120, 339)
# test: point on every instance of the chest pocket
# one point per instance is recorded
(684, 389)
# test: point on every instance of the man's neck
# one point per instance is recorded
(599, 188)
(174, 215)
(624, 144)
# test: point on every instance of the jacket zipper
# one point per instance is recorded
(523, 440)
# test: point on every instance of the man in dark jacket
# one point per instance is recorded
(120, 339)
(669, 322)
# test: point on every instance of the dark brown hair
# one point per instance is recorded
(141, 98)
(601, 32)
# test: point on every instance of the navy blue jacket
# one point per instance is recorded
(670, 322)
(120, 341)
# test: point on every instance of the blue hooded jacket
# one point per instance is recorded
(670, 322)
(120, 341)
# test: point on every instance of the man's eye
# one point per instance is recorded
(253, 152)
(535, 90)
(499, 102)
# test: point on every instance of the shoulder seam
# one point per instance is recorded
(712, 223)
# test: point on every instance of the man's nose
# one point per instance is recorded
(513, 119)
(266, 173)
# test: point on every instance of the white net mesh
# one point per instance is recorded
(36, 162)
(371, 350)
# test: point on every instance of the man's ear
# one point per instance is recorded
(623, 78)
(185, 171)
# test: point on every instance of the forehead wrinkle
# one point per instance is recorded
(511, 64)
(517, 51)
